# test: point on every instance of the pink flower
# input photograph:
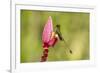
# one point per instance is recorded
(48, 36)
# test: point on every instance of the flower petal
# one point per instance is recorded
(48, 28)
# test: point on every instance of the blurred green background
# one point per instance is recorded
(74, 28)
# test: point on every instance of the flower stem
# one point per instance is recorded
(45, 55)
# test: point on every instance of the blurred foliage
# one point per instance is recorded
(74, 28)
